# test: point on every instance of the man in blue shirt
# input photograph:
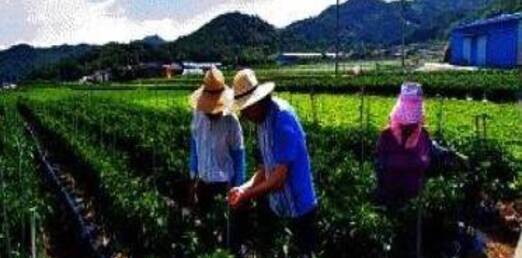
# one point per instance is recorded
(217, 156)
(284, 175)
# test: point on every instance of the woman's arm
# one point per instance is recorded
(444, 158)
(238, 157)
(193, 162)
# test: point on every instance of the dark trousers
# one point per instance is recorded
(271, 229)
(405, 242)
(213, 209)
(304, 230)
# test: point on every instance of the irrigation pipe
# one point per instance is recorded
(87, 231)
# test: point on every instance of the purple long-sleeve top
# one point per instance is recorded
(401, 171)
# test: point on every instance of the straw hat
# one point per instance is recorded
(213, 96)
(409, 108)
(248, 91)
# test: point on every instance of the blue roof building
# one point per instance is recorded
(494, 42)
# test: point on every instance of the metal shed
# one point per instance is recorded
(494, 42)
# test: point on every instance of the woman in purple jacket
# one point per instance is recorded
(405, 150)
(405, 154)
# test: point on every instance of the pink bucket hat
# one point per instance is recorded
(409, 108)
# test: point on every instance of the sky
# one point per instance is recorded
(45, 23)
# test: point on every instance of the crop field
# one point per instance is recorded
(492, 85)
(131, 146)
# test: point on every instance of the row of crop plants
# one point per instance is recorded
(140, 205)
(492, 85)
(23, 203)
(134, 208)
(344, 176)
(149, 133)
(453, 119)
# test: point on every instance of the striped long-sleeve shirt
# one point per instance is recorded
(217, 149)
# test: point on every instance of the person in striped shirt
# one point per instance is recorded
(217, 156)
(284, 175)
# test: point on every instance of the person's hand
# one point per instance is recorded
(192, 198)
(235, 196)
(463, 160)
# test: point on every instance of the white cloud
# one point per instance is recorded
(53, 22)
(80, 21)
(283, 12)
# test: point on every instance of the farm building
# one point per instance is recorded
(99, 76)
(494, 42)
(198, 68)
(293, 58)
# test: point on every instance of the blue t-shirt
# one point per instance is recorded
(282, 140)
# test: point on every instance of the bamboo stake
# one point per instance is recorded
(156, 103)
(362, 126)
(440, 118)
(314, 106)
(20, 189)
(33, 232)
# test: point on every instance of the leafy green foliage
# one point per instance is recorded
(492, 85)
(154, 126)
(134, 208)
(20, 188)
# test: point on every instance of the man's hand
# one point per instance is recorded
(236, 195)
(259, 186)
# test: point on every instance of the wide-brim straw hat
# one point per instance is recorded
(214, 96)
(248, 91)
(409, 108)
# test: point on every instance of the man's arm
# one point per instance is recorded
(276, 181)
(259, 185)
(257, 178)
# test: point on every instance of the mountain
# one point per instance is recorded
(377, 22)
(360, 21)
(19, 61)
(231, 38)
(236, 38)
(501, 6)
(153, 41)
(72, 62)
